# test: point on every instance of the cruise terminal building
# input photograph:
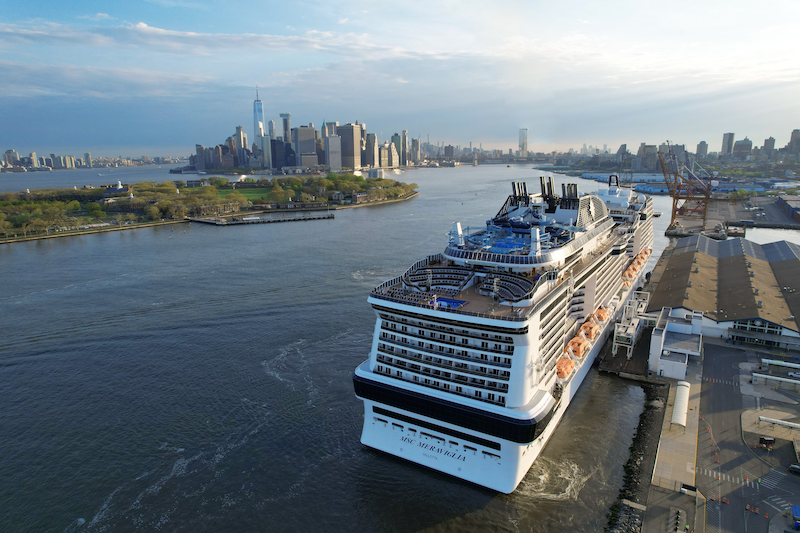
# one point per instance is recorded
(746, 292)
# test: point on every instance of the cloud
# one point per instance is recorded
(98, 17)
(194, 43)
(19, 80)
(177, 3)
(343, 20)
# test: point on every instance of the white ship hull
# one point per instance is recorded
(475, 394)
(500, 470)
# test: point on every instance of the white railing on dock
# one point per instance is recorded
(777, 362)
(779, 422)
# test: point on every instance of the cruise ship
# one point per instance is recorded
(478, 350)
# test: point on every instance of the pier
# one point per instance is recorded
(267, 218)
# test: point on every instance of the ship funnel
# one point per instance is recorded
(458, 234)
(536, 243)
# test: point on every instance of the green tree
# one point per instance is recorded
(73, 206)
(92, 206)
(152, 212)
(98, 214)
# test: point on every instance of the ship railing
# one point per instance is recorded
(515, 318)
(425, 369)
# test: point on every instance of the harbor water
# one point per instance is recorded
(198, 378)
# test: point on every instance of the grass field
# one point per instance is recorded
(250, 194)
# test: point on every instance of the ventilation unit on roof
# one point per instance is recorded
(760, 303)
(694, 260)
(685, 295)
(752, 273)
(697, 269)
(756, 291)
(690, 283)
(749, 264)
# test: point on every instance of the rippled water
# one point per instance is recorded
(198, 378)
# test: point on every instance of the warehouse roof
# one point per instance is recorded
(735, 279)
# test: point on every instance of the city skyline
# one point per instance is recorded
(159, 76)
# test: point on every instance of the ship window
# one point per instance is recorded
(490, 396)
(477, 394)
(484, 344)
(458, 388)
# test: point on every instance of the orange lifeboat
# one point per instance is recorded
(590, 329)
(564, 367)
(602, 314)
(578, 346)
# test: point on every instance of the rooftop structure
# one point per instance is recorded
(733, 281)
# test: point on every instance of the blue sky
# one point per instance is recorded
(157, 76)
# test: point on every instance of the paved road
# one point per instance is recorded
(726, 468)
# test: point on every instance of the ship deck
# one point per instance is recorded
(469, 300)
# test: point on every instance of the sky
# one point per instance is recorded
(156, 77)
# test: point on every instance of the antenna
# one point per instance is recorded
(256, 92)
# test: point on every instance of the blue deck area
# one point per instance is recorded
(447, 302)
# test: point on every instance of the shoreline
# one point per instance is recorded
(186, 220)
(641, 462)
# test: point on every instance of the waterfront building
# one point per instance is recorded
(702, 150)
(287, 126)
(371, 156)
(11, 158)
(523, 142)
(727, 144)
(271, 124)
(333, 152)
(404, 152)
(34, 160)
(87, 159)
(449, 151)
(394, 157)
(351, 145)
(744, 290)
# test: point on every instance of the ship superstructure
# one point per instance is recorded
(478, 350)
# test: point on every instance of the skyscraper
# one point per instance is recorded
(404, 153)
(727, 144)
(258, 118)
(397, 141)
(333, 152)
(523, 142)
(261, 138)
(769, 146)
(271, 129)
(794, 143)
(287, 127)
(351, 145)
(702, 150)
(415, 150)
(372, 157)
(239, 139)
(87, 159)
(304, 142)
